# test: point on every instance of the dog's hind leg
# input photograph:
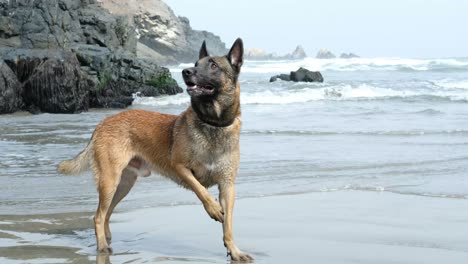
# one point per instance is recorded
(108, 180)
(127, 180)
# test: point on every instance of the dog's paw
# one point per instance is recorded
(214, 210)
(105, 250)
(239, 256)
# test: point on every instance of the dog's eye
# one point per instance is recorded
(213, 66)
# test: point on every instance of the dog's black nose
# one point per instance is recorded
(188, 72)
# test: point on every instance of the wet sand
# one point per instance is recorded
(328, 227)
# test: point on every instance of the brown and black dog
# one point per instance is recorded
(197, 149)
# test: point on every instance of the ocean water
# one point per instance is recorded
(377, 125)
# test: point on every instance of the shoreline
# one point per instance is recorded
(330, 227)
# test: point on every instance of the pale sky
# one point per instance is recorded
(370, 28)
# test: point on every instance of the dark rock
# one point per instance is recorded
(284, 77)
(95, 57)
(51, 80)
(10, 90)
(106, 30)
(348, 56)
(41, 24)
(68, 54)
(119, 93)
(44, 24)
(304, 75)
(117, 76)
(301, 75)
(325, 54)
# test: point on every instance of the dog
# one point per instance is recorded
(197, 149)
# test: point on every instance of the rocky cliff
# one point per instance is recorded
(64, 56)
(163, 35)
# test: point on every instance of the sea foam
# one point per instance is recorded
(317, 92)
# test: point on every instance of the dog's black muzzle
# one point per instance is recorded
(188, 73)
(193, 86)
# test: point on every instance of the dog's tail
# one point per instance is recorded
(78, 164)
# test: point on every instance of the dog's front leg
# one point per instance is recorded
(212, 207)
(227, 197)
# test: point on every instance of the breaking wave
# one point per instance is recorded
(451, 84)
(317, 92)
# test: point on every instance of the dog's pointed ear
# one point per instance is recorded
(203, 51)
(236, 54)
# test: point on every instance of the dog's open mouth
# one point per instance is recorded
(196, 89)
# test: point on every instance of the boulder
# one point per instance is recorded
(301, 75)
(304, 75)
(325, 54)
(116, 76)
(284, 77)
(10, 90)
(51, 80)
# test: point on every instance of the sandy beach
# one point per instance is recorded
(328, 227)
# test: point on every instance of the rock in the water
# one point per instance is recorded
(10, 90)
(325, 54)
(118, 75)
(284, 77)
(51, 79)
(348, 56)
(301, 75)
(304, 75)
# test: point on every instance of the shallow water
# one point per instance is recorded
(374, 125)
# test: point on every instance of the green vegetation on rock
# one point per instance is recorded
(162, 80)
(104, 78)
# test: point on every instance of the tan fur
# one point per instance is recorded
(79, 164)
(187, 150)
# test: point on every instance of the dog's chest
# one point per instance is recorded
(214, 157)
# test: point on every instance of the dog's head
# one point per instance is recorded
(212, 75)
